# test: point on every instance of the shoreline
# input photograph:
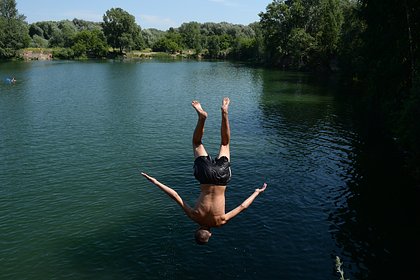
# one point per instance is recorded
(30, 54)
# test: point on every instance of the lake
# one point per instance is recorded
(75, 135)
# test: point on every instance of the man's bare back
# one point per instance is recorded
(209, 210)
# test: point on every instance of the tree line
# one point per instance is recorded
(299, 34)
(374, 43)
(118, 34)
(291, 34)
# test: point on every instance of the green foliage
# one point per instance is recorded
(39, 42)
(213, 46)
(377, 43)
(34, 29)
(244, 49)
(301, 46)
(328, 29)
(301, 34)
(171, 42)
(275, 25)
(8, 9)
(151, 36)
(166, 45)
(174, 36)
(191, 35)
(391, 56)
(43, 28)
(13, 29)
(68, 31)
(121, 30)
(351, 43)
(258, 38)
(63, 53)
(215, 39)
(86, 25)
(250, 45)
(61, 33)
(90, 44)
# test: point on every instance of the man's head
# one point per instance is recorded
(202, 235)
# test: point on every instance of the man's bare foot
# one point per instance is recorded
(200, 111)
(225, 104)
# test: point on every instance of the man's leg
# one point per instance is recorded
(225, 130)
(199, 130)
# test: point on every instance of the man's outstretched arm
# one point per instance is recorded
(171, 193)
(244, 205)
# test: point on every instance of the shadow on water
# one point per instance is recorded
(310, 136)
(374, 218)
(377, 227)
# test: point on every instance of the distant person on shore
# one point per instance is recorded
(213, 175)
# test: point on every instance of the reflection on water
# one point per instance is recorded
(73, 136)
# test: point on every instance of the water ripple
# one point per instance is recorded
(72, 204)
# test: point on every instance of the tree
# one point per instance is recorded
(13, 29)
(61, 33)
(38, 42)
(81, 24)
(47, 28)
(121, 30)
(68, 31)
(391, 55)
(166, 45)
(90, 43)
(191, 36)
(328, 29)
(175, 36)
(151, 36)
(351, 43)
(57, 38)
(277, 23)
(8, 9)
(214, 46)
(243, 49)
(298, 33)
(172, 42)
(301, 46)
(257, 35)
(34, 29)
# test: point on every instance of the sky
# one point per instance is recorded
(159, 14)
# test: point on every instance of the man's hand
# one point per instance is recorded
(244, 205)
(260, 190)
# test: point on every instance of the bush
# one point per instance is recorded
(63, 53)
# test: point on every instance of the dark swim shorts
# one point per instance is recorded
(210, 171)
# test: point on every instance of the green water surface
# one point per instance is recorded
(74, 136)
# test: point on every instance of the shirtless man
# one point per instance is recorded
(213, 175)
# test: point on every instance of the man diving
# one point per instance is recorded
(213, 175)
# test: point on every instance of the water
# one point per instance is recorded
(74, 135)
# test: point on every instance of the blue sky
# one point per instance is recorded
(160, 14)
